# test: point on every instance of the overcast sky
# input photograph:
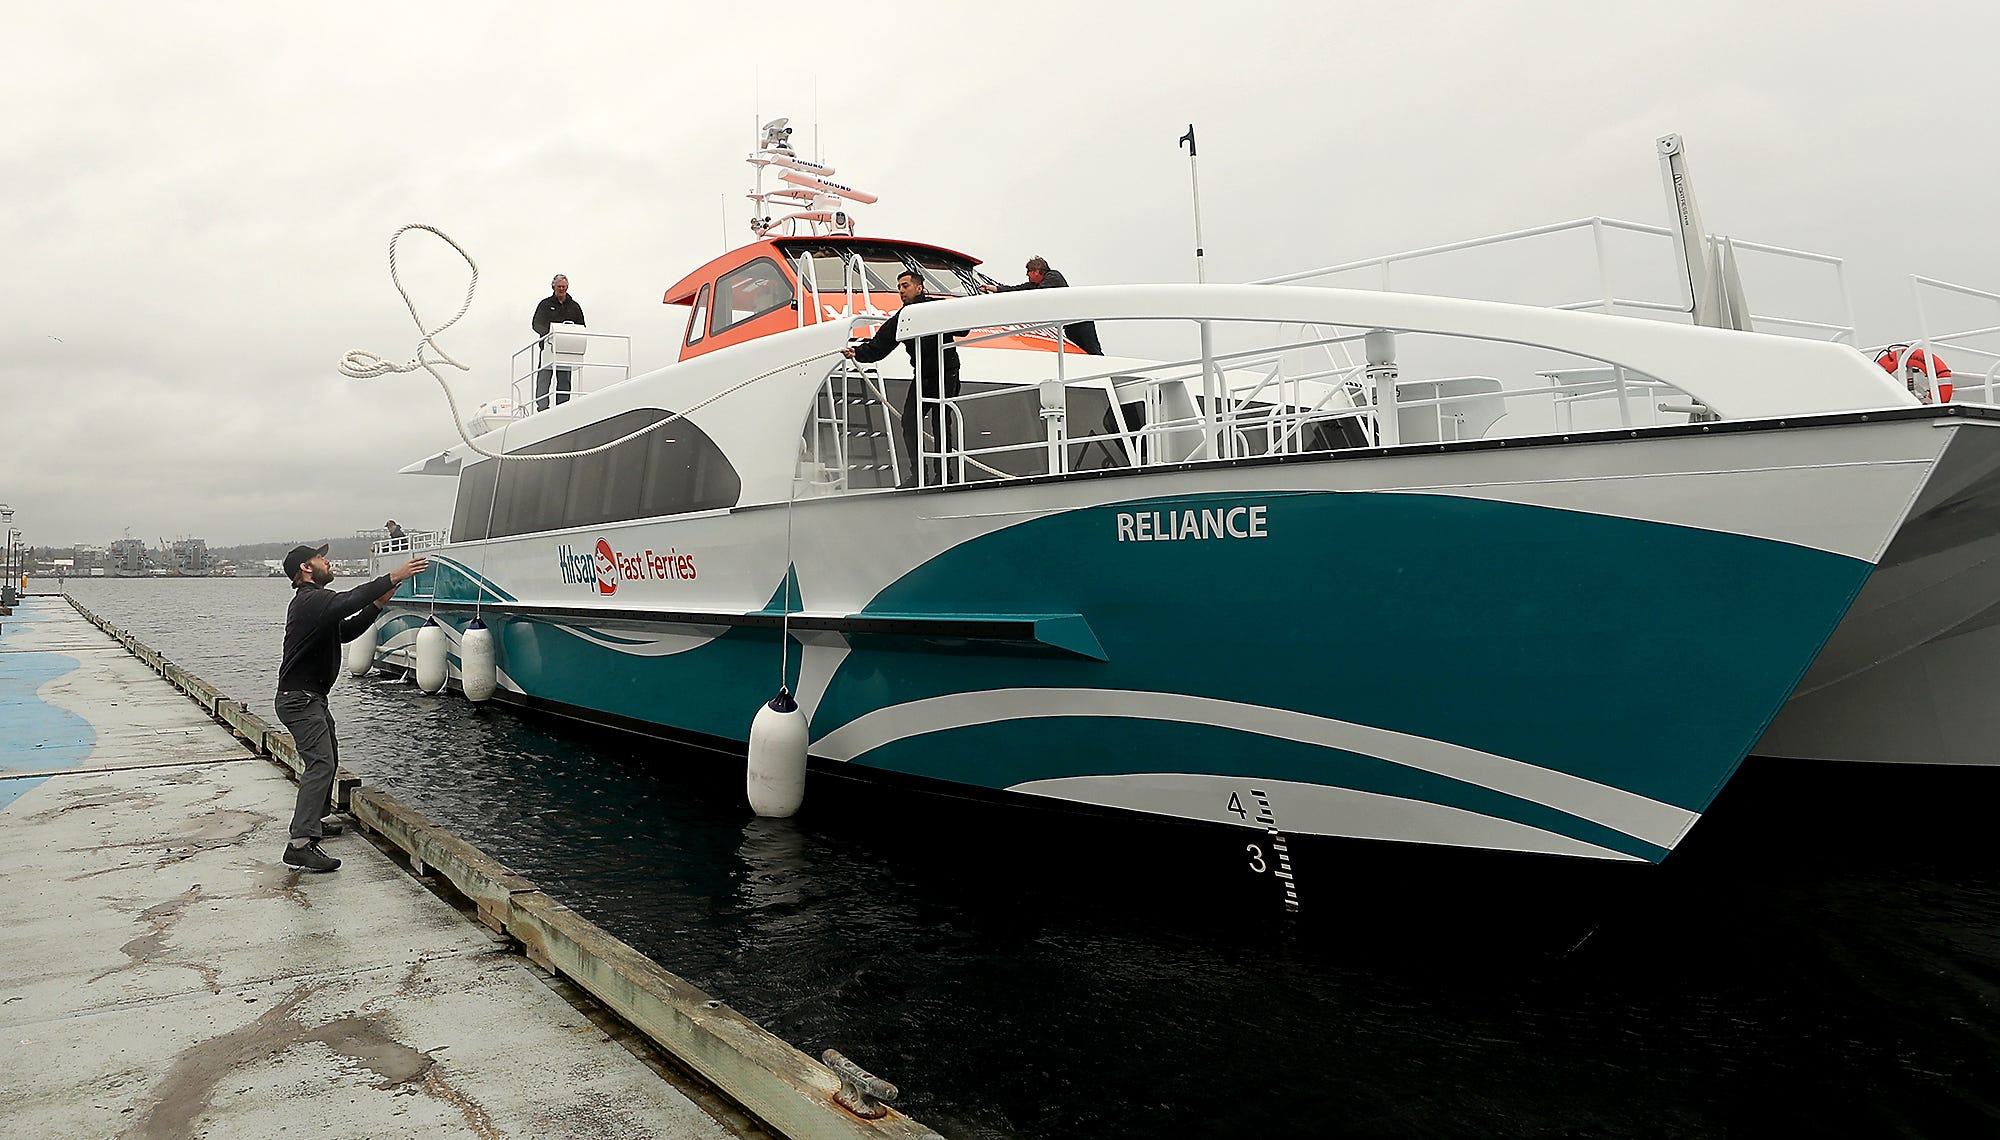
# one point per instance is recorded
(199, 195)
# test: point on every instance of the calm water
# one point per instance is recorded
(1821, 958)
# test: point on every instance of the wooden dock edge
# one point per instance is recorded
(788, 1091)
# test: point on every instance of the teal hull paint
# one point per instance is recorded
(397, 623)
(714, 689)
(1003, 755)
(784, 599)
(1641, 655)
(451, 581)
(1644, 656)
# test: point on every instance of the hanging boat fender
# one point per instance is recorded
(776, 777)
(475, 662)
(431, 644)
(361, 653)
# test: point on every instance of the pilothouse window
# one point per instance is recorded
(749, 292)
(945, 278)
(698, 323)
(865, 268)
(831, 269)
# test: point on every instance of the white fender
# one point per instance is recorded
(475, 662)
(776, 778)
(431, 661)
(361, 652)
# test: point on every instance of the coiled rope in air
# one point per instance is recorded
(359, 364)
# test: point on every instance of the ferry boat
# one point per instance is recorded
(1305, 561)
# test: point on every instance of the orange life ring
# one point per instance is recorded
(1913, 363)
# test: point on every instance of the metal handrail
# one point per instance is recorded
(1606, 301)
(412, 540)
(534, 355)
(1470, 243)
(1256, 404)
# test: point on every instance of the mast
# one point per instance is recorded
(813, 198)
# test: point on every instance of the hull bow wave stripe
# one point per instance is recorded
(1635, 815)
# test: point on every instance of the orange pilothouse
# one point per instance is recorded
(807, 265)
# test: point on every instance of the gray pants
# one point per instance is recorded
(560, 378)
(306, 717)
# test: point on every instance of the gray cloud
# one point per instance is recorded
(199, 195)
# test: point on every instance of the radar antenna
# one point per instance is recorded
(817, 205)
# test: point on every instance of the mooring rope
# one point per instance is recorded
(359, 364)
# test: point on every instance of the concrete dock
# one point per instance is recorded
(165, 975)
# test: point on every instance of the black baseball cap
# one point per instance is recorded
(301, 555)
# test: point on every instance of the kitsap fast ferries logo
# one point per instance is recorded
(606, 567)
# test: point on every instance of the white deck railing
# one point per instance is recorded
(593, 361)
(412, 542)
(1292, 393)
(1978, 347)
(1604, 298)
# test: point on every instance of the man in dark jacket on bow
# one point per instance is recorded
(936, 358)
(1082, 334)
(556, 308)
(315, 625)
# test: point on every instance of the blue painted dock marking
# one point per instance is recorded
(33, 733)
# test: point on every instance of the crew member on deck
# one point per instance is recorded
(1082, 334)
(938, 358)
(556, 308)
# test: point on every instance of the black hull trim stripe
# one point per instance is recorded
(1063, 633)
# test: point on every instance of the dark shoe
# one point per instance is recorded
(310, 858)
(331, 825)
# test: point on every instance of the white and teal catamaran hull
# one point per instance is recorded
(1557, 645)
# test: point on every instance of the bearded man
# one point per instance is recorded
(315, 625)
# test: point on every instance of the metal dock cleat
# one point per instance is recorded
(861, 1092)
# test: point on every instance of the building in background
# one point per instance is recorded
(186, 558)
(128, 559)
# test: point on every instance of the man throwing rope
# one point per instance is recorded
(315, 625)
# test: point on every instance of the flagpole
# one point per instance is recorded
(1211, 382)
(1194, 180)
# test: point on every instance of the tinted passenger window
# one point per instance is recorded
(520, 485)
(589, 473)
(672, 470)
(685, 472)
(475, 501)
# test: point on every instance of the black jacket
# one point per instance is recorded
(315, 625)
(1051, 279)
(554, 312)
(884, 342)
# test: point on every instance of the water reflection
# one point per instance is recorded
(774, 862)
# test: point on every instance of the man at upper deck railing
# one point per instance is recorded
(1082, 334)
(556, 308)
